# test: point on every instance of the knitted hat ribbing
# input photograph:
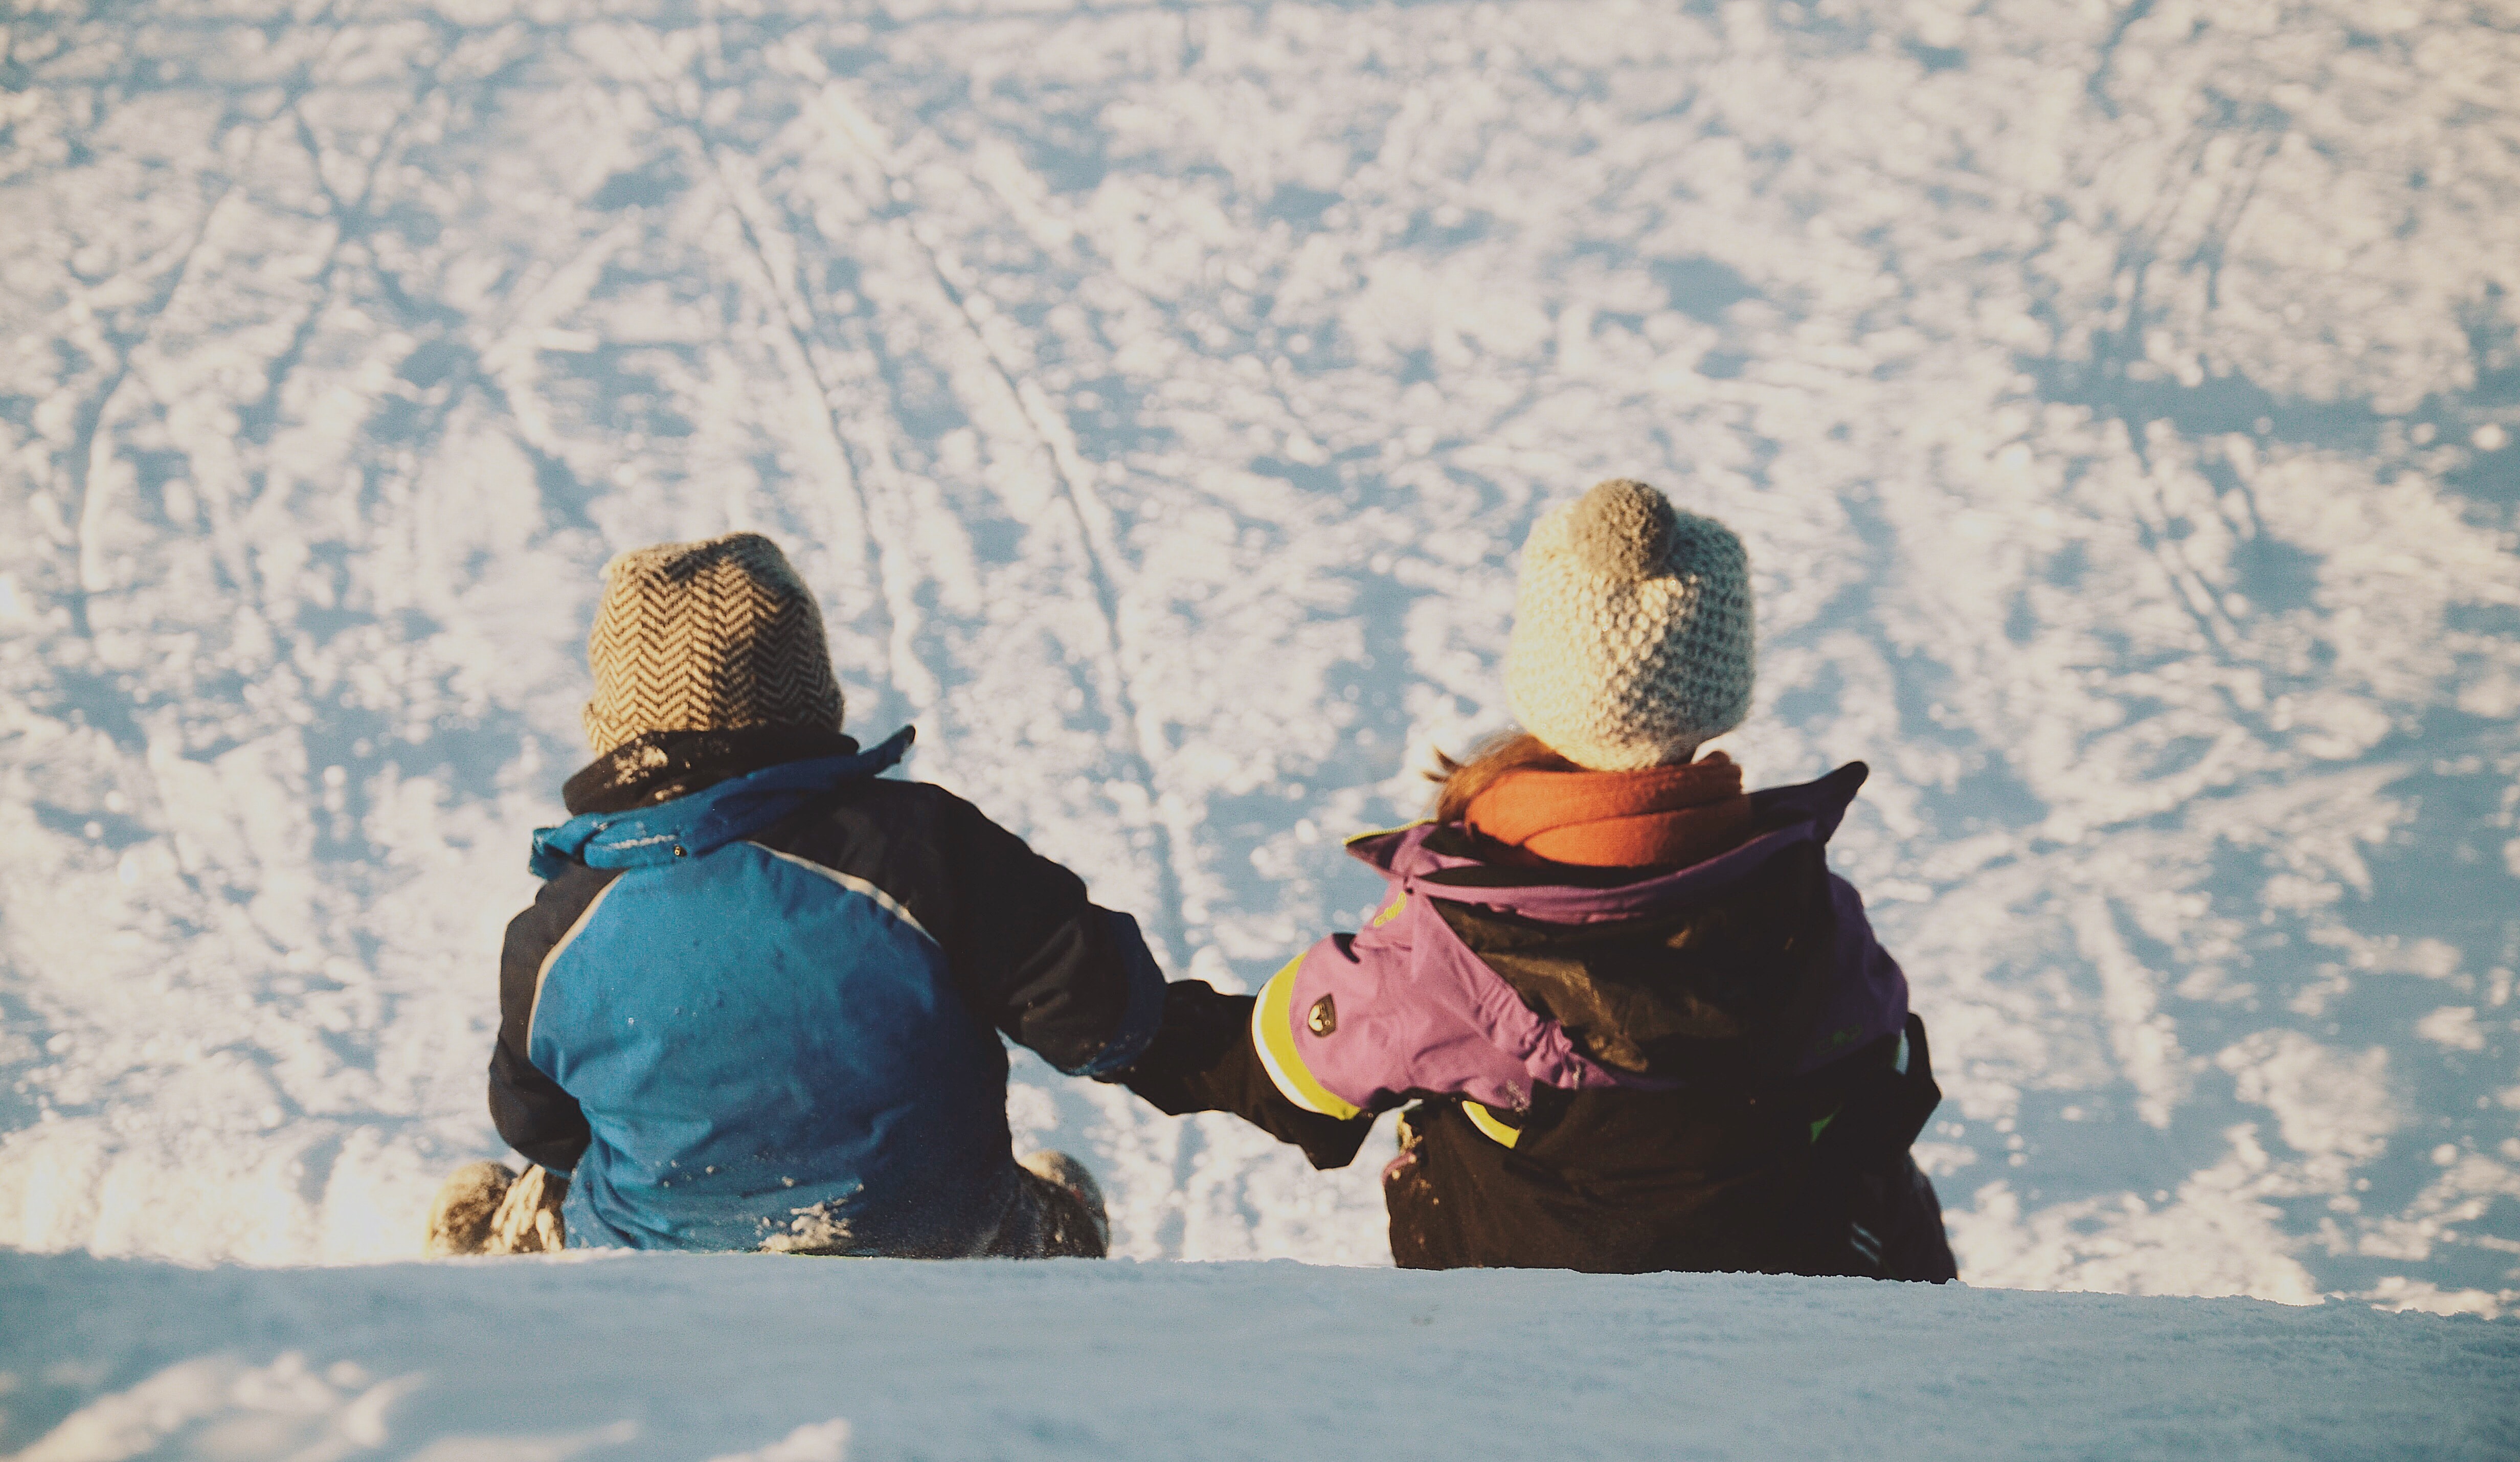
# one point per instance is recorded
(1632, 630)
(706, 636)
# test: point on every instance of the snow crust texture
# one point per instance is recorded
(764, 1359)
(2120, 403)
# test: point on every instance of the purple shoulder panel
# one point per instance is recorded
(1867, 996)
(1405, 1006)
(1809, 811)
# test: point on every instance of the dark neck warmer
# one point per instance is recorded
(662, 765)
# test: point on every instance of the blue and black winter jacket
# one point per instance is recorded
(758, 1001)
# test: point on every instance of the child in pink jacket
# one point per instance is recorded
(1637, 1022)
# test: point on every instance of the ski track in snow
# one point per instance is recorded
(2121, 405)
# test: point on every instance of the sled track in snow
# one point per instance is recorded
(1085, 514)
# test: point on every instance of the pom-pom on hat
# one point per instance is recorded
(1632, 630)
(706, 636)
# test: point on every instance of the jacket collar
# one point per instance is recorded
(1809, 811)
(705, 820)
(663, 765)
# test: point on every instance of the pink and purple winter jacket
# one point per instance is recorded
(1405, 1007)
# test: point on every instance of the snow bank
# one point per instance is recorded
(762, 1358)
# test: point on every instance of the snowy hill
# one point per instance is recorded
(760, 1358)
(2121, 405)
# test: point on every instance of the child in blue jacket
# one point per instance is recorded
(756, 1003)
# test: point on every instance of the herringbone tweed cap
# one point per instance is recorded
(1632, 630)
(706, 636)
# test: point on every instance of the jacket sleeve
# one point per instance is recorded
(1059, 975)
(1202, 1060)
(531, 1112)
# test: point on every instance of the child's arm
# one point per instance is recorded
(1203, 1060)
(1035, 957)
(530, 1111)
(1077, 984)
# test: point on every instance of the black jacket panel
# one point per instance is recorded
(1723, 993)
(1808, 1180)
(531, 1113)
(1029, 953)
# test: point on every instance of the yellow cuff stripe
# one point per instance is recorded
(1485, 1121)
(1273, 1032)
(1354, 839)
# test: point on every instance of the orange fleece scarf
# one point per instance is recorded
(1663, 816)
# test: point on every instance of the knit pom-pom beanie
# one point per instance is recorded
(706, 636)
(1632, 630)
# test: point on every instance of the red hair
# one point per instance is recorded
(1504, 751)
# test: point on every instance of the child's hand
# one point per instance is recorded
(528, 1218)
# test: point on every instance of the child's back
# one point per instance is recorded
(1719, 1069)
(752, 1005)
(1645, 1027)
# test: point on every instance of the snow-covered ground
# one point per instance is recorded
(2121, 404)
(762, 1358)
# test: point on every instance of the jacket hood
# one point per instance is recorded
(706, 820)
(1493, 982)
(1733, 971)
(1805, 812)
